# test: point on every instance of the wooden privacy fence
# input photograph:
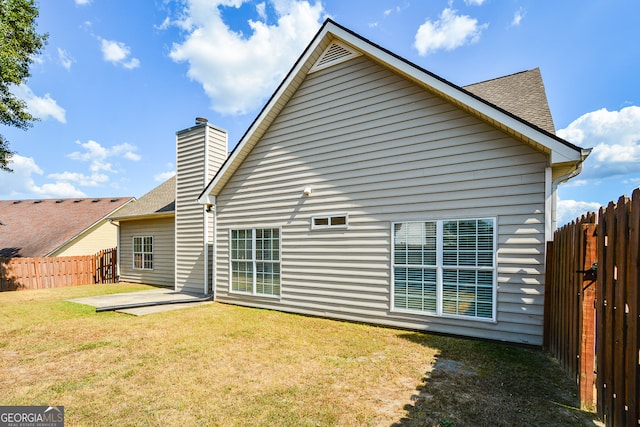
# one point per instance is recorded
(55, 272)
(571, 297)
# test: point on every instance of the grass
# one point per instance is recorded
(233, 366)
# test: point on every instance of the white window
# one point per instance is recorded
(143, 252)
(255, 261)
(445, 267)
(330, 221)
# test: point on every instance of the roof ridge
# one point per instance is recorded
(502, 77)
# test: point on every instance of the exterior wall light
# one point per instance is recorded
(307, 191)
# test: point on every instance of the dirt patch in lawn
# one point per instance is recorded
(484, 383)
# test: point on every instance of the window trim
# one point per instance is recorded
(133, 252)
(329, 225)
(254, 261)
(440, 267)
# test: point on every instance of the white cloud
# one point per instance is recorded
(93, 180)
(575, 182)
(568, 210)
(125, 150)
(632, 181)
(82, 2)
(20, 184)
(474, 2)
(65, 59)
(163, 176)
(41, 107)
(239, 71)
(98, 157)
(60, 189)
(165, 24)
(615, 138)
(449, 32)
(118, 53)
(261, 8)
(517, 17)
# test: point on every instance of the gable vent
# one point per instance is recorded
(334, 54)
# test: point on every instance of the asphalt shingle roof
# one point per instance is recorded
(521, 94)
(159, 201)
(35, 228)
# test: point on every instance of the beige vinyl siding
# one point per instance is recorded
(200, 152)
(103, 235)
(381, 149)
(161, 229)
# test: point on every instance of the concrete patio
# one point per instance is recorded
(156, 301)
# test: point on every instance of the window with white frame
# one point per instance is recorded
(445, 267)
(143, 252)
(330, 221)
(255, 261)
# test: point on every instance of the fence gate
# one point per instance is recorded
(106, 266)
(572, 296)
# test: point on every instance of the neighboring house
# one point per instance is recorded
(146, 242)
(57, 227)
(369, 189)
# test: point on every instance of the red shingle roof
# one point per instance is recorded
(35, 228)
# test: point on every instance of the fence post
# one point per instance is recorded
(588, 318)
(633, 300)
(549, 290)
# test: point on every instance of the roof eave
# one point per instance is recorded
(170, 214)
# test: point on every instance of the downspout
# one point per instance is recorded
(559, 180)
(205, 217)
(214, 261)
(208, 205)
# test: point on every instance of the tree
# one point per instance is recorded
(19, 43)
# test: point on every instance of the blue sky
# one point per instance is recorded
(118, 78)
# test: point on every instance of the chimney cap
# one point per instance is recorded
(201, 120)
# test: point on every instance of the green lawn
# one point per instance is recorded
(225, 365)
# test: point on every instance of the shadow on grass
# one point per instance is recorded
(8, 282)
(478, 383)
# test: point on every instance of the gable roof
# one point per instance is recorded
(561, 152)
(521, 94)
(36, 228)
(159, 202)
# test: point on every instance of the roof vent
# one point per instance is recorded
(114, 200)
(37, 201)
(201, 120)
(16, 202)
(77, 201)
(59, 201)
(334, 54)
(95, 200)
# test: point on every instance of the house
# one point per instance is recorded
(369, 189)
(146, 242)
(58, 227)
